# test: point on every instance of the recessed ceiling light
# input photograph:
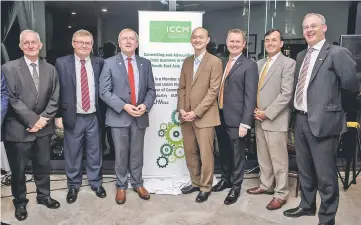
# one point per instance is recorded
(69, 26)
(73, 13)
(104, 10)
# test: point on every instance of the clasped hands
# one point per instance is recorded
(135, 111)
(259, 115)
(187, 116)
(42, 122)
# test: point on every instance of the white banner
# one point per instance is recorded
(164, 38)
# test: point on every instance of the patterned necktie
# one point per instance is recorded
(35, 76)
(85, 98)
(228, 68)
(302, 77)
(131, 82)
(263, 75)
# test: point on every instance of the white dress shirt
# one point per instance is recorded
(135, 71)
(29, 62)
(91, 85)
(197, 62)
(314, 55)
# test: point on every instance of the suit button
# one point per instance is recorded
(129, 92)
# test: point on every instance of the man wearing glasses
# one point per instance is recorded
(79, 114)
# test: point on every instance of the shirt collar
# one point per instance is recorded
(319, 45)
(236, 58)
(28, 61)
(125, 57)
(273, 58)
(78, 59)
(200, 57)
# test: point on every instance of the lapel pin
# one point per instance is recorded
(141, 64)
(320, 59)
(120, 63)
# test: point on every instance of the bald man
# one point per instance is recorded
(197, 106)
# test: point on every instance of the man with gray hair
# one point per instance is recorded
(321, 72)
(33, 102)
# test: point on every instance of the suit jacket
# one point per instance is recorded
(276, 93)
(115, 91)
(240, 92)
(200, 94)
(26, 105)
(4, 97)
(65, 66)
(335, 69)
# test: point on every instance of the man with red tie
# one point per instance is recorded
(127, 88)
(79, 114)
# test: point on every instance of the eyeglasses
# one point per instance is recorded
(28, 43)
(313, 26)
(84, 43)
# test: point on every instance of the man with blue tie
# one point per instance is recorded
(127, 88)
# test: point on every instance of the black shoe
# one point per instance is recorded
(232, 196)
(21, 213)
(189, 189)
(202, 196)
(220, 186)
(49, 202)
(100, 192)
(297, 212)
(72, 195)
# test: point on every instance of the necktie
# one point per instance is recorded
(35, 76)
(263, 75)
(302, 77)
(131, 82)
(228, 68)
(85, 98)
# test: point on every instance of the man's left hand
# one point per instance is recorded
(260, 115)
(142, 108)
(190, 116)
(242, 131)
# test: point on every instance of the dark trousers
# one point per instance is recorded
(19, 154)
(232, 153)
(316, 161)
(86, 130)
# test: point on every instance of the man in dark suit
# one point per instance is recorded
(80, 115)
(321, 72)
(127, 86)
(4, 97)
(237, 102)
(33, 102)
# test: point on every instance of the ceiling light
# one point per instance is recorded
(69, 26)
(104, 10)
(73, 13)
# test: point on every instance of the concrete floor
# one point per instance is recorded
(169, 210)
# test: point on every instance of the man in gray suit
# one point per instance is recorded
(321, 72)
(33, 101)
(127, 86)
(275, 89)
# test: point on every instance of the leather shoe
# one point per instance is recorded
(142, 193)
(258, 191)
(21, 213)
(72, 195)
(220, 186)
(100, 192)
(232, 196)
(120, 196)
(297, 212)
(202, 196)
(189, 189)
(49, 202)
(275, 203)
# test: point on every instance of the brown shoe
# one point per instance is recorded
(276, 203)
(258, 191)
(120, 197)
(143, 193)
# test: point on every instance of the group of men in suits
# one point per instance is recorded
(227, 101)
(69, 95)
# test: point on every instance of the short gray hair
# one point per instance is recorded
(125, 30)
(82, 32)
(27, 32)
(322, 18)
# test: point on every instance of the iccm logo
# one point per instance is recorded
(170, 31)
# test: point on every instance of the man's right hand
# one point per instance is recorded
(41, 122)
(59, 123)
(132, 110)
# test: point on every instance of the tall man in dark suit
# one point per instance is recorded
(127, 87)
(321, 71)
(237, 102)
(80, 115)
(33, 102)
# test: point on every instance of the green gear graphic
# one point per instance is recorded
(175, 118)
(161, 164)
(163, 126)
(174, 135)
(172, 158)
(166, 149)
(161, 133)
(179, 153)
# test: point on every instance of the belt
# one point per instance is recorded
(302, 112)
(85, 114)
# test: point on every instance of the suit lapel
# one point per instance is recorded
(141, 74)
(236, 65)
(27, 75)
(200, 67)
(272, 69)
(96, 72)
(121, 65)
(71, 63)
(320, 59)
(43, 79)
